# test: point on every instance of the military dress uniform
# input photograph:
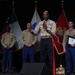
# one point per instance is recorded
(46, 39)
(70, 51)
(7, 39)
(28, 38)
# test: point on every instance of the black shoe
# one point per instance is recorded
(67, 73)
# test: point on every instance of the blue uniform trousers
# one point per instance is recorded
(7, 59)
(28, 51)
(70, 53)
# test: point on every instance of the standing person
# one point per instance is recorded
(69, 48)
(47, 29)
(7, 41)
(28, 40)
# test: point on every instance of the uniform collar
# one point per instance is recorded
(28, 30)
(8, 32)
(70, 29)
(46, 20)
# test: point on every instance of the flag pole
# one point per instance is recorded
(61, 67)
(36, 4)
(12, 11)
(62, 3)
(12, 5)
(61, 54)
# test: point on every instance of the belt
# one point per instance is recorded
(45, 37)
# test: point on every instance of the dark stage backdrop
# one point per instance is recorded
(24, 10)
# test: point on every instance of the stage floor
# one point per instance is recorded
(10, 74)
(29, 74)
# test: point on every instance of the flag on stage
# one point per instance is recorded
(15, 28)
(35, 20)
(62, 25)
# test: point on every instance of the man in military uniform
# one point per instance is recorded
(47, 29)
(28, 40)
(7, 41)
(69, 48)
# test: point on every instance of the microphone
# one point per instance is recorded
(44, 23)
